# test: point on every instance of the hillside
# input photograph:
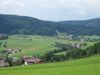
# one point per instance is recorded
(85, 66)
(13, 24)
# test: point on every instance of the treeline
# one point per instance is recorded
(71, 53)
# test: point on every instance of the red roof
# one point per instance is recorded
(31, 59)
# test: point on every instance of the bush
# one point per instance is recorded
(15, 61)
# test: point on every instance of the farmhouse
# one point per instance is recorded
(13, 51)
(31, 60)
(77, 45)
(4, 64)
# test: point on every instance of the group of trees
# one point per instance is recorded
(3, 44)
(3, 36)
(15, 61)
(71, 53)
(4, 55)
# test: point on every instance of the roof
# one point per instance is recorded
(31, 59)
(3, 63)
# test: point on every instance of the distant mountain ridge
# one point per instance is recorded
(13, 24)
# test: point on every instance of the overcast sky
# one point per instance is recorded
(53, 10)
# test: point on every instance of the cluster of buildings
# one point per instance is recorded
(3, 63)
(13, 51)
(26, 60)
(31, 60)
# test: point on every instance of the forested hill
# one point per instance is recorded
(13, 24)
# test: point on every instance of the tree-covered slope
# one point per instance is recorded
(13, 24)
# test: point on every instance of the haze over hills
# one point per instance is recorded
(13, 24)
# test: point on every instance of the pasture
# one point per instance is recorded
(35, 45)
(84, 66)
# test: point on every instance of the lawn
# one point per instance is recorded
(84, 66)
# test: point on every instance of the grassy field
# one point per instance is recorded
(34, 45)
(84, 66)
(38, 45)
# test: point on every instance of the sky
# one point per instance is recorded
(53, 10)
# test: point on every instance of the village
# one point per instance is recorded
(7, 61)
(24, 60)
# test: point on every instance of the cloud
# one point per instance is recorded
(12, 7)
(11, 2)
(52, 9)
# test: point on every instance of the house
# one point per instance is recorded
(10, 50)
(3, 63)
(31, 60)
(13, 51)
(77, 45)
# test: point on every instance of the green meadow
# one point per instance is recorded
(38, 44)
(84, 66)
(34, 45)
